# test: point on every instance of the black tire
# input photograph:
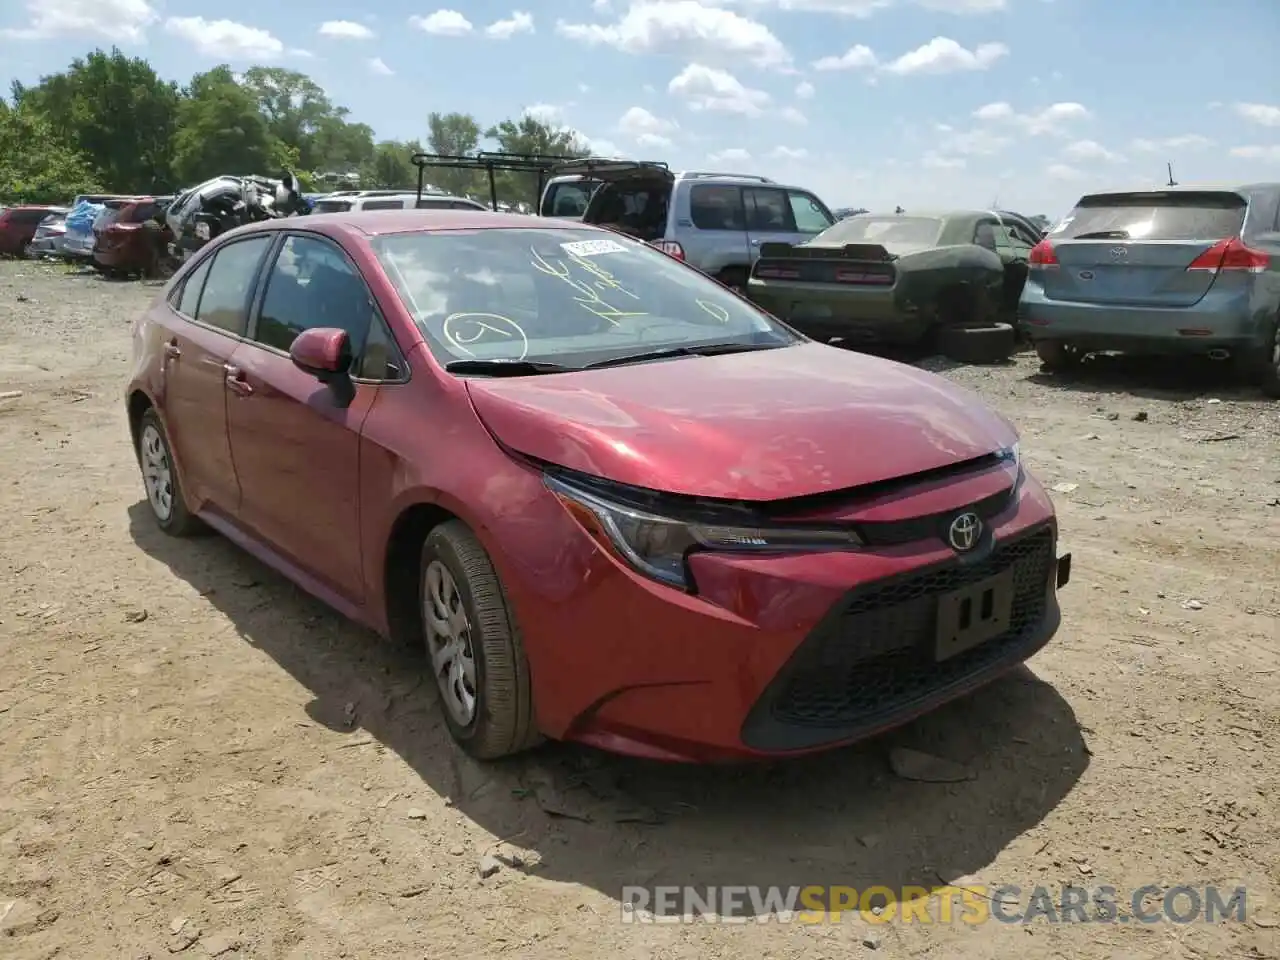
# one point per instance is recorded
(178, 521)
(503, 722)
(735, 278)
(1055, 355)
(976, 343)
(1261, 367)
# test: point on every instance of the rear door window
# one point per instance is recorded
(768, 210)
(225, 301)
(189, 298)
(382, 205)
(332, 206)
(717, 207)
(1174, 215)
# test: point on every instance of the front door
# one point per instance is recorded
(775, 215)
(207, 317)
(296, 446)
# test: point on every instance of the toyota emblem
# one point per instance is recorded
(1119, 253)
(964, 532)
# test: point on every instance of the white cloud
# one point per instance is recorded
(936, 161)
(716, 91)
(805, 90)
(973, 143)
(855, 58)
(675, 26)
(1271, 153)
(119, 20)
(944, 55)
(1060, 171)
(518, 22)
(1188, 141)
(793, 115)
(861, 9)
(547, 113)
(1090, 150)
(789, 153)
(646, 129)
(345, 30)
(964, 7)
(376, 65)
(1050, 120)
(732, 155)
(442, 23)
(1261, 113)
(225, 39)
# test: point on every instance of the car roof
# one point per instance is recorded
(375, 223)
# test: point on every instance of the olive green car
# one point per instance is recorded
(947, 279)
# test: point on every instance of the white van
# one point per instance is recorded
(399, 201)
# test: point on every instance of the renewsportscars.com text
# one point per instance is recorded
(970, 905)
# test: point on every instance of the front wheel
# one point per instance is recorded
(1055, 355)
(160, 477)
(474, 646)
(977, 343)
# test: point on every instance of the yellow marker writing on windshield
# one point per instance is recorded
(590, 299)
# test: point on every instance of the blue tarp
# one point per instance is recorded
(82, 215)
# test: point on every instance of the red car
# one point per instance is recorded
(18, 227)
(618, 504)
(131, 240)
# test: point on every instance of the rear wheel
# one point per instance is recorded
(474, 646)
(1055, 355)
(977, 343)
(1262, 366)
(159, 476)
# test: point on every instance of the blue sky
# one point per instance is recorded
(868, 102)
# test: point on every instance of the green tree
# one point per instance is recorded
(117, 112)
(390, 167)
(36, 165)
(300, 115)
(453, 135)
(531, 137)
(222, 131)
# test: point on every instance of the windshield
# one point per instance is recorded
(570, 297)
(922, 231)
(1178, 215)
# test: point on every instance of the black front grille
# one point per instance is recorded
(884, 533)
(873, 657)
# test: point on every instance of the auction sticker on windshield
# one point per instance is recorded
(592, 248)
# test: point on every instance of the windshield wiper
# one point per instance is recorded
(700, 350)
(506, 367)
(1103, 235)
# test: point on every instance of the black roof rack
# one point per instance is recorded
(490, 162)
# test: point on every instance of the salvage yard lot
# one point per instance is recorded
(195, 757)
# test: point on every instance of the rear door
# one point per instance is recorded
(207, 318)
(1142, 249)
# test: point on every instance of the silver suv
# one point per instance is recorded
(716, 222)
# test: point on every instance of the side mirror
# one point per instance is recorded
(323, 352)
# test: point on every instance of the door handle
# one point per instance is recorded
(236, 382)
(172, 350)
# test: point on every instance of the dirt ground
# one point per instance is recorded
(197, 759)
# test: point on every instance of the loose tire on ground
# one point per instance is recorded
(1055, 355)
(504, 721)
(977, 343)
(160, 480)
(735, 278)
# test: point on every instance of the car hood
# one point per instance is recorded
(766, 425)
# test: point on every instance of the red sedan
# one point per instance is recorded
(615, 502)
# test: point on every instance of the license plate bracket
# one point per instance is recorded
(974, 614)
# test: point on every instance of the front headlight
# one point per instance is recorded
(657, 546)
